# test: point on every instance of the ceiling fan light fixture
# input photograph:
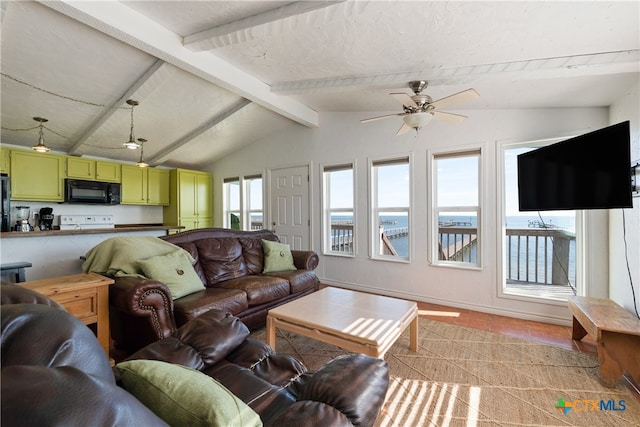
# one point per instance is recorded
(40, 147)
(131, 144)
(417, 120)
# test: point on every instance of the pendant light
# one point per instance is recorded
(41, 148)
(131, 143)
(141, 163)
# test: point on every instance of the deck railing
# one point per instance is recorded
(534, 255)
(539, 255)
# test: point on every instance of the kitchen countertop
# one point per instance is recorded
(119, 228)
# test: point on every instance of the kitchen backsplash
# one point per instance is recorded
(122, 214)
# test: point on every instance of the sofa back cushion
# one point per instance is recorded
(221, 259)
(253, 253)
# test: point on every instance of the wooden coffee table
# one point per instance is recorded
(355, 321)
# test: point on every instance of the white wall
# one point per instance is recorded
(626, 108)
(341, 137)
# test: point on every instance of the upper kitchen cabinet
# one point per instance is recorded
(81, 168)
(191, 199)
(144, 186)
(158, 186)
(5, 162)
(108, 171)
(134, 185)
(93, 170)
(37, 176)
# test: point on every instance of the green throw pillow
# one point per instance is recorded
(184, 397)
(174, 270)
(277, 257)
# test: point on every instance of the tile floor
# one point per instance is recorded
(536, 331)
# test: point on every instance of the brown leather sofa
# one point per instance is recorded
(54, 372)
(229, 264)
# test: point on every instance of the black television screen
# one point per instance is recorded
(590, 171)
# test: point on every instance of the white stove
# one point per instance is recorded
(86, 222)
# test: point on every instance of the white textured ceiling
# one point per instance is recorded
(213, 76)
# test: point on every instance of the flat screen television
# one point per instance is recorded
(590, 171)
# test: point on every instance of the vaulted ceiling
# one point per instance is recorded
(213, 76)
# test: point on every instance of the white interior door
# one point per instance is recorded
(290, 206)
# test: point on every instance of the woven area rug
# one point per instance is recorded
(467, 377)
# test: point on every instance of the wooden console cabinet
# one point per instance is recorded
(85, 296)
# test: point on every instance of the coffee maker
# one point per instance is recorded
(46, 219)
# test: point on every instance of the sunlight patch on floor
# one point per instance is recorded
(438, 313)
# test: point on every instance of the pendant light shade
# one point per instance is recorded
(40, 147)
(131, 144)
(141, 163)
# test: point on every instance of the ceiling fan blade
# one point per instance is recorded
(405, 99)
(449, 117)
(456, 98)
(403, 129)
(380, 117)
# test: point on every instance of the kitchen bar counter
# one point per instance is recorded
(118, 229)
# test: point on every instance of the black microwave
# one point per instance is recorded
(91, 192)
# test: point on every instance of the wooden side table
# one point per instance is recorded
(85, 296)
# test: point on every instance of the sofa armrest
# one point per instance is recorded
(305, 260)
(149, 299)
(354, 384)
(199, 343)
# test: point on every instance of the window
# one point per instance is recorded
(232, 203)
(539, 248)
(243, 209)
(255, 211)
(338, 220)
(457, 208)
(390, 209)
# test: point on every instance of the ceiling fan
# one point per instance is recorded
(419, 109)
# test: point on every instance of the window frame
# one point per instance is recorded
(374, 209)
(435, 209)
(248, 180)
(244, 210)
(327, 210)
(581, 236)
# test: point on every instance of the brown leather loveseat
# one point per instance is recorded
(54, 372)
(230, 265)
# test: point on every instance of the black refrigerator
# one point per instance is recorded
(6, 203)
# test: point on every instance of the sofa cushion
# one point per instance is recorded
(174, 270)
(259, 289)
(277, 257)
(191, 248)
(231, 301)
(184, 396)
(299, 280)
(253, 254)
(221, 259)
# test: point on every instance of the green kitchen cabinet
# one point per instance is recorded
(158, 186)
(191, 194)
(81, 168)
(134, 185)
(37, 176)
(93, 170)
(144, 186)
(108, 171)
(5, 161)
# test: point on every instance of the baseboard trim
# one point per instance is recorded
(562, 321)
